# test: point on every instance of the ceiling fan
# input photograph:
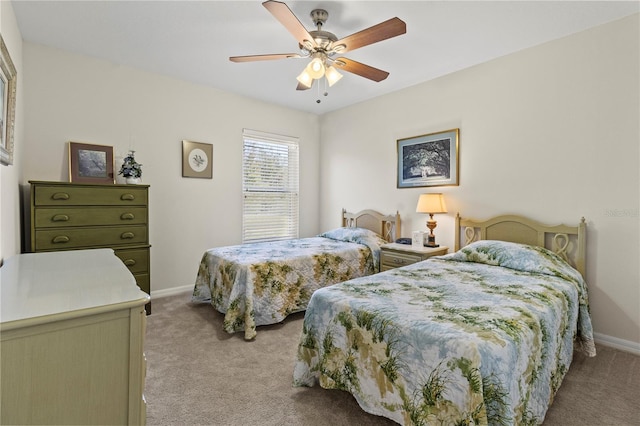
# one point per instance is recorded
(322, 46)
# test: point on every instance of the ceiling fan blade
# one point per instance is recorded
(286, 17)
(384, 30)
(252, 58)
(362, 70)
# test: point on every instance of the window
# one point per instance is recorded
(270, 187)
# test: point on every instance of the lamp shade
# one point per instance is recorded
(431, 203)
(332, 75)
(305, 79)
(315, 68)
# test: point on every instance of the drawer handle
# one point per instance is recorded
(127, 216)
(129, 262)
(60, 218)
(127, 235)
(127, 197)
(60, 196)
(60, 239)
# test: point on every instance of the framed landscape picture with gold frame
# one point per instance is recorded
(89, 163)
(197, 160)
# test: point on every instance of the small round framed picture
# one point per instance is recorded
(197, 159)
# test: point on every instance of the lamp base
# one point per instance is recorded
(431, 240)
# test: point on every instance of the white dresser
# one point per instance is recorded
(72, 326)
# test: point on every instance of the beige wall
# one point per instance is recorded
(551, 132)
(78, 98)
(10, 175)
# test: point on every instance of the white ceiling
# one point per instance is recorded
(192, 40)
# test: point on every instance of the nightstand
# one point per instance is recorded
(395, 255)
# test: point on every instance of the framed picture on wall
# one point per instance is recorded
(8, 106)
(428, 160)
(90, 163)
(197, 160)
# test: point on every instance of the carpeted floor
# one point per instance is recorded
(197, 374)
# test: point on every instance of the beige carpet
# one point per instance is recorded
(199, 375)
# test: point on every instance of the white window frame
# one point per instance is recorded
(270, 202)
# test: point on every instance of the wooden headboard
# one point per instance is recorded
(567, 241)
(387, 226)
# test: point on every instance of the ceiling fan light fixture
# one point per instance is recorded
(316, 68)
(305, 79)
(333, 76)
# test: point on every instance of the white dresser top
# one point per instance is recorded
(40, 287)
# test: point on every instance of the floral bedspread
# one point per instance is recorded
(481, 336)
(261, 283)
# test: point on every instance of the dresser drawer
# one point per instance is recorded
(396, 260)
(58, 195)
(61, 217)
(106, 236)
(137, 260)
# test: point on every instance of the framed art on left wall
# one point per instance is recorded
(90, 163)
(8, 108)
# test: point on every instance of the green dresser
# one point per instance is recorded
(71, 216)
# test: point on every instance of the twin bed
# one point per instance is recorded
(262, 283)
(483, 335)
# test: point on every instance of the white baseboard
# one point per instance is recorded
(171, 291)
(616, 343)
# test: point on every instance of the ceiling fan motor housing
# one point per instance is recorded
(319, 17)
(323, 39)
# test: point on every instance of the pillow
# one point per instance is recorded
(521, 257)
(354, 235)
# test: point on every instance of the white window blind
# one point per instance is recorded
(270, 185)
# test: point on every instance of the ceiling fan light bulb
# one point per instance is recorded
(315, 68)
(332, 75)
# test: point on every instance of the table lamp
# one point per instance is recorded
(431, 204)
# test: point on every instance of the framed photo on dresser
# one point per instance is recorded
(90, 163)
